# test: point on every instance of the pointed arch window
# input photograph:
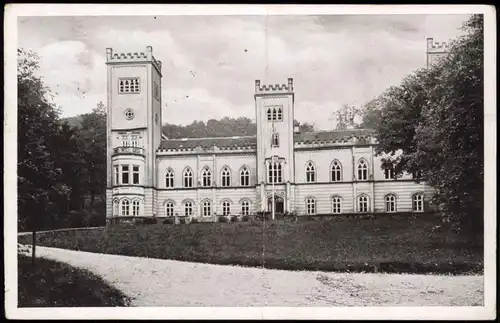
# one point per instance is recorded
(188, 208)
(169, 178)
(418, 202)
(226, 176)
(188, 178)
(311, 205)
(390, 203)
(310, 172)
(363, 203)
(244, 176)
(206, 208)
(116, 208)
(125, 207)
(169, 209)
(336, 171)
(336, 205)
(206, 177)
(362, 170)
(245, 207)
(269, 114)
(279, 114)
(135, 207)
(226, 208)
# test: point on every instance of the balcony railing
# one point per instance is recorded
(129, 150)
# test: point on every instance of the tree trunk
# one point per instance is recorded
(33, 247)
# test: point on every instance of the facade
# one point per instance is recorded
(280, 169)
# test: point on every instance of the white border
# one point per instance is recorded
(12, 11)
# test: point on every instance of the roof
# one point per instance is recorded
(246, 141)
(221, 142)
(318, 136)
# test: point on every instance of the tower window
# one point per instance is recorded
(135, 208)
(274, 172)
(117, 175)
(275, 140)
(125, 174)
(135, 174)
(125, 208)
(269, 114)
(129, 85)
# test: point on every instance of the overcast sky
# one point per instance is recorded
(333, 59)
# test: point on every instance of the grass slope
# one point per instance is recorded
(382, 244)
(54, 284)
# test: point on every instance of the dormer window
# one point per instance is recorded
(129, 85)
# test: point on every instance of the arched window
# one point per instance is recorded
(275, 140)
(169, 178)
(269, 114)
(135, 207)
(245, 207)
(274, 174)
(226, 208)
(188, 178)
(362, 170)
(125, 207)
(310, 173)
(169, 209)
(336, 205)
(274, 114)
(388, 172)
(390, 203)
(279, 114)
(362, 203)
(418, 202)
(244, 176)
(206, 177)
(336, 171)
(188, 208)
(116, 208)
(117, 174)
(226, 176)
(311, 205)
(206, 208)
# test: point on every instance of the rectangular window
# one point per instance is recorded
(117, 175)
(125, 175)
(129, 85)
(135, 173)
(389, 173)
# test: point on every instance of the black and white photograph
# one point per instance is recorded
(250, 161)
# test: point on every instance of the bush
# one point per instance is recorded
(168, 221)
(223, 219)
(194, 220)
(234, 218)
(182, 220)
(245, 218)
(263, 216)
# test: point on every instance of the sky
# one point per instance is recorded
(210, 63)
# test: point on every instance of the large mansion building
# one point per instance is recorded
(280, 168)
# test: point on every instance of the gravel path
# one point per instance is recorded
(157, 282)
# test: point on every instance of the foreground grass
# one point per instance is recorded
(54, 284)
(397, 244)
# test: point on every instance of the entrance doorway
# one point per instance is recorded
(279, 204)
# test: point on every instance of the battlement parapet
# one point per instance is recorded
(137, 57)
(276, 88)
(436, 47)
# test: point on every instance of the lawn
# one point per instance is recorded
(54, 284)
(386, 243)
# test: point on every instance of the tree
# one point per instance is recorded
(347, 117)
(434, 119)
(371, 114)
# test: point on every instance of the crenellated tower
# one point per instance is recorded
(435, 51)
(134, 132)
(274, 107)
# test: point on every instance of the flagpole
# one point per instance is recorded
(275, 171)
